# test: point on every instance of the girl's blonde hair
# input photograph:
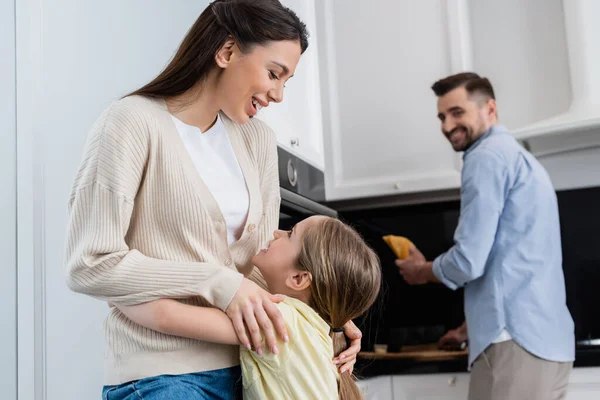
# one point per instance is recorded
(346, 278)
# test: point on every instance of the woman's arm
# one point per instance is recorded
(174, 318)
(100, 262)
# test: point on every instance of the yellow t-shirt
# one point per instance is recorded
(303, 369)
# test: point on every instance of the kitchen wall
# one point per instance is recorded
(8, 210)
(73, 59)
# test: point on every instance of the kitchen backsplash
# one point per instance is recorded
(431, 228)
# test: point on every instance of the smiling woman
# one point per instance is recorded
(177, 191)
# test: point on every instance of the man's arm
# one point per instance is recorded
(485, 186)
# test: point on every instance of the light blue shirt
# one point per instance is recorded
(507, 251)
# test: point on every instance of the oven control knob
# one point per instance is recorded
(292, 173)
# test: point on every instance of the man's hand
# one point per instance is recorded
(253, 312)
(415, 269)
(454, 337)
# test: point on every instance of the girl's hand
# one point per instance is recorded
(252, 311)
(347, 358)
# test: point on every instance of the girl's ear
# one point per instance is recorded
(299, 280)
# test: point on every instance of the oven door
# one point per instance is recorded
(295, 208)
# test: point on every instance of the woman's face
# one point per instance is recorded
(251, 81)
(278, 261)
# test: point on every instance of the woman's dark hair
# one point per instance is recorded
(248, 22)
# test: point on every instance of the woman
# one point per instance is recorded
(157, 213)
(320, 265)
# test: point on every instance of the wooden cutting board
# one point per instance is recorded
(425, 352)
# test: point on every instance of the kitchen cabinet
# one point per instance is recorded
(431, 386)
(378, 388)
(508, 46)
(416, 387)
(297, 120)
(584, 384)
(378, 61)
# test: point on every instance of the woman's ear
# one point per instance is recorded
(223, 56)
(299, 280)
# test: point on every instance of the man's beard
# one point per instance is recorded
(470, 137)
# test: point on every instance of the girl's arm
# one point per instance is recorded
(174, 318)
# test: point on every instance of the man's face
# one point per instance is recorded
(465, 118)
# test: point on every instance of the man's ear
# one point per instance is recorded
(492, 108)
(223, 56)
(299, 280)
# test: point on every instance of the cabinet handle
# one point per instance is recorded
(295, 142)
(452, 381)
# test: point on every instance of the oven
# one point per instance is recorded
(302, 188)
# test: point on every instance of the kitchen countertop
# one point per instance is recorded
(370, 364)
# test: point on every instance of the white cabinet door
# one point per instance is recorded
(8, 207)
(431, 386)
(297, 120)
(584, 384)
(73, 58)
(379, 59)
(378, 388)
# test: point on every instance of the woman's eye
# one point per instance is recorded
(273, 76)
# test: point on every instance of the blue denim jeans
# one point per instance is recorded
(221, 384)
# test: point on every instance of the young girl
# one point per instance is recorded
(329, 276)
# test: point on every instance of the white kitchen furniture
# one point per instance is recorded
(297, 121)
(584, 384)
(378, 61)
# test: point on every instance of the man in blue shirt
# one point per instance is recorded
(506, 254)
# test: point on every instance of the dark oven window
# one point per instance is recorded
(295, 208)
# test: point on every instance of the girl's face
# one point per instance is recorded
(277, 262)
(250, 81)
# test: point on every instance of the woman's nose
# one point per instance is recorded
(276, 94)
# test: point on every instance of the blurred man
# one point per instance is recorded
(506, 254)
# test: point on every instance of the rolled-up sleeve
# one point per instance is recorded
(484, 188)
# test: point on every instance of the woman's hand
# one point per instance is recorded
(252, 311)
(348, 356)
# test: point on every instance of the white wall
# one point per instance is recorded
(74, 58)
(8, 269)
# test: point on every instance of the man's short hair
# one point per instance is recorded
(473, 83)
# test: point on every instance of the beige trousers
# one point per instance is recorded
(505, 371)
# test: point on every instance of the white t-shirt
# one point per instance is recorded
(503, 336)
(218, 167)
